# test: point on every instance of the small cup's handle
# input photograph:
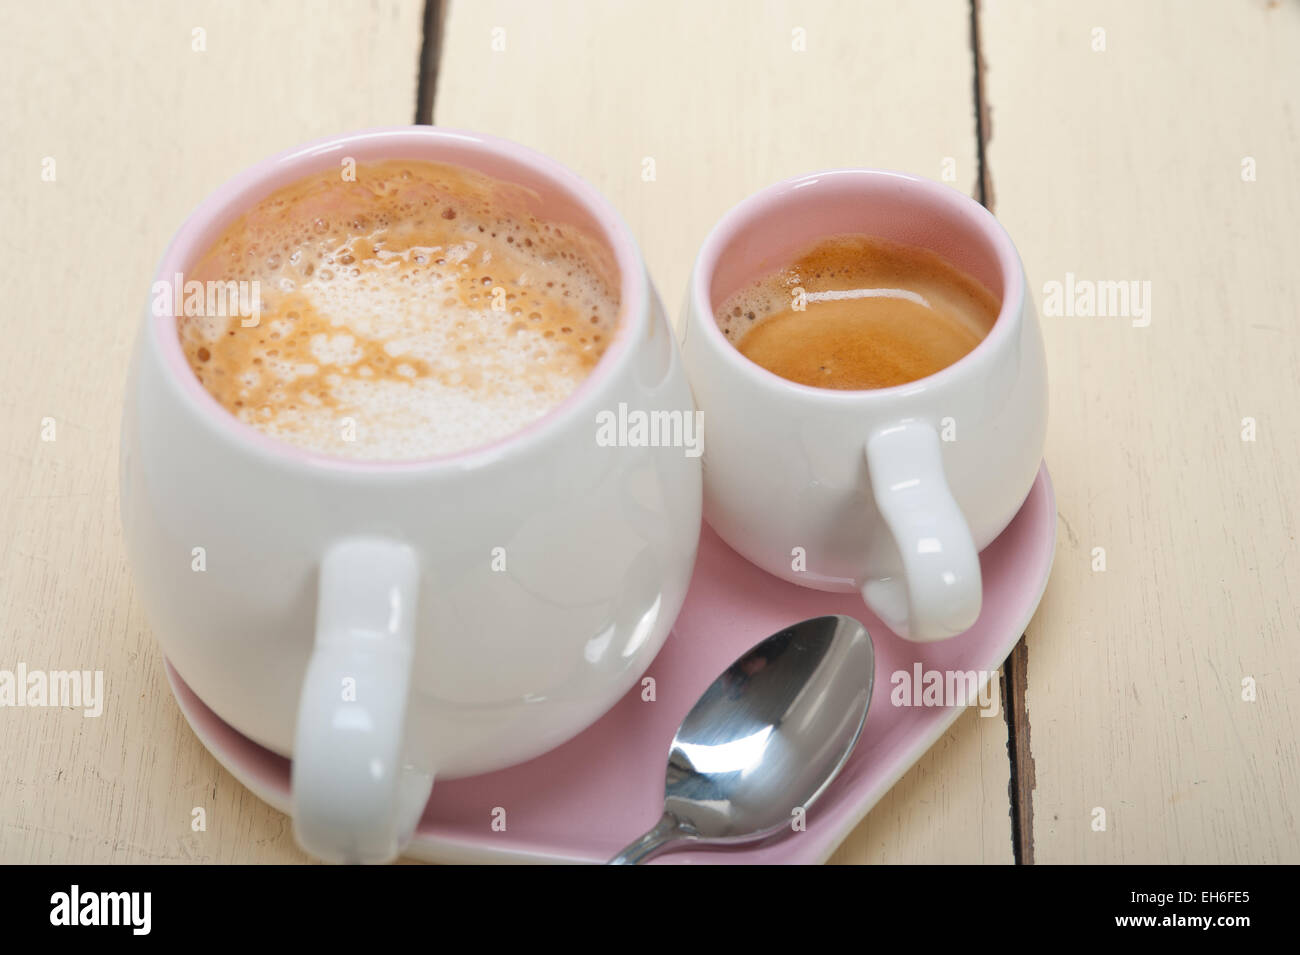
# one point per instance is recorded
(355, 799)
(940, 591)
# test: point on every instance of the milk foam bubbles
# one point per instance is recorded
(417, 311)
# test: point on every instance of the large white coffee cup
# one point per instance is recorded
(890, 492)
(386, 623)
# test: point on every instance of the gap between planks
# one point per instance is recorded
(1015, 671)
(430, 56)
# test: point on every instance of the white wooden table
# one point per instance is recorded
(1152, 142)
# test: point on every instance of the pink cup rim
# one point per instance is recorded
(936, 197)
(235, 195)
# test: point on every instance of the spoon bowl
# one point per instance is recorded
(766, 738)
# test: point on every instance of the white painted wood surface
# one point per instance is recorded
(1127, 164)
(1110, 165)
(141, 127)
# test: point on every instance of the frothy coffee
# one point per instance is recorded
(416, 310)
(856, 312)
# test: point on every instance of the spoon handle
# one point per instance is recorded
(667, 831)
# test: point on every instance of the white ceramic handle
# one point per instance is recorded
(939, 593)
(354, 797)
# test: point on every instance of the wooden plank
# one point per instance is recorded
(950, 808)
(1156, 142)
(715, 101)
(140, 126)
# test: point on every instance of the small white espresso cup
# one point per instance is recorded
(891, 492)
(383, 623)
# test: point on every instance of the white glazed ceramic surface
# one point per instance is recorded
(502, 665)
(890, 492)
